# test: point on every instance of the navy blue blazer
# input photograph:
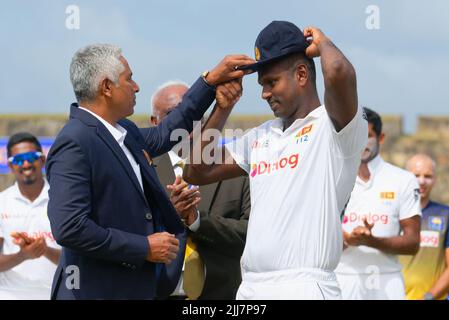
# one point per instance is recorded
(99, 213)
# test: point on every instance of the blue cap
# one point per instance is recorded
(277, 40)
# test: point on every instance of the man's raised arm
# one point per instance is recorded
(340, 95)
(222, 166)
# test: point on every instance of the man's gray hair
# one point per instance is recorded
(91, 65)
(166, 85)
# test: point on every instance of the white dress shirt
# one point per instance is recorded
(119, 134)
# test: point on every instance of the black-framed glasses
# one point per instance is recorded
(19, 159)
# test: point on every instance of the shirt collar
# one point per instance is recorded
(43, 196)
(278, 124)
(373, 167)
(117, 131)
(375, 164)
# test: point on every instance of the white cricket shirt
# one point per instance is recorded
(300, 180)
(31, 279)
(390, 195)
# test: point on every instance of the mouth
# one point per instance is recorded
(366, 152)
(274, 105)
(27, 171)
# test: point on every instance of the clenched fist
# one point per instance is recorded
(185, 200)
(228, 93)
(317, 36)
(163, 247)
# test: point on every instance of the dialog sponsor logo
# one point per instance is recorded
(370, 217)
(430, 239)
(263, 167)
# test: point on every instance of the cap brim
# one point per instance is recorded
(255, 67)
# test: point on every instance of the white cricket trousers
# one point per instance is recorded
(292, 284)
(383, 286)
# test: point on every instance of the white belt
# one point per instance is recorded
(289, 275)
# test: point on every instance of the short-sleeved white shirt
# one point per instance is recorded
(390, 195)
(300, 180)
(31, 279)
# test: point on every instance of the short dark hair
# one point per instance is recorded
(374, 118)
(300, 57)
(22, 137)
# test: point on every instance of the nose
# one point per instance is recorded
(266, 94)
(26, 164)
(421, 181)
(136, 87)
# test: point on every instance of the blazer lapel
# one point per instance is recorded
(169, 216)
(138, 154)
(106, 136)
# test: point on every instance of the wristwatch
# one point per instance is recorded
(428, 296)
(204, 75)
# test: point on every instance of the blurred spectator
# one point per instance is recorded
(28, 251)
(381, 220)
(426, 274)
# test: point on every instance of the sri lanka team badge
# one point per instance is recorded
(436, 223)
(256, 53)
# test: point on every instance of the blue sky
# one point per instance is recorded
(402, 68)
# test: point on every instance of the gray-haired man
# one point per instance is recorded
(107, 207)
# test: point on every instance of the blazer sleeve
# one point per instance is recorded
(194, 104)
(69, 210)
(226, 235)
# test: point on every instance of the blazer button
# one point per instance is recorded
(148, 216)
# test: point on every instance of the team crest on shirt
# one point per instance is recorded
(436, 223)
(303, 134)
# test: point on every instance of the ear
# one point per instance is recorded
(43, 158)
(106, 87)
(382, 138)
(301, 74)
(153, 120)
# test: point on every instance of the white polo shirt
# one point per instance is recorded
(390, 195)
(31, 279)
(300, 180)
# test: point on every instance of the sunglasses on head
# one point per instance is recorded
(19, 159)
